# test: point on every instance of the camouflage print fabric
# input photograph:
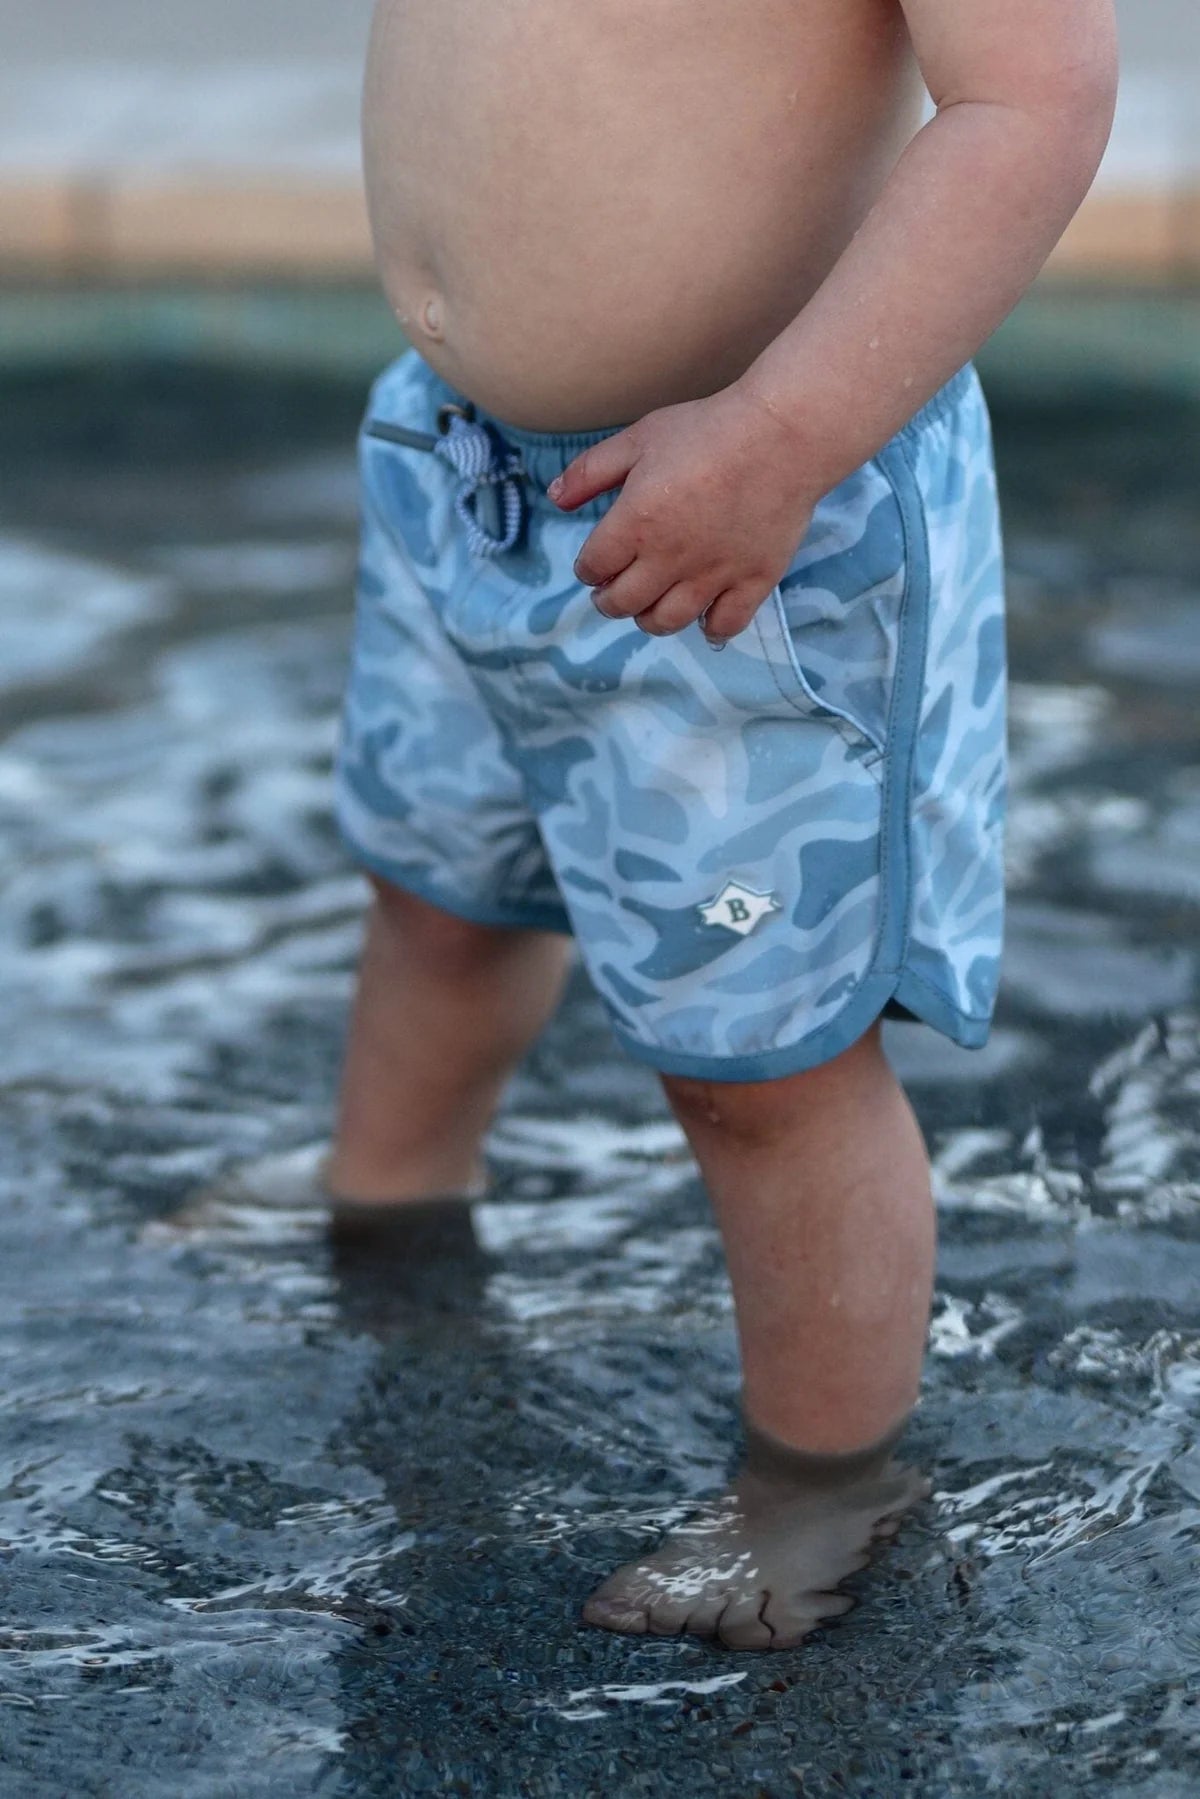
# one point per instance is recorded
(757, 850)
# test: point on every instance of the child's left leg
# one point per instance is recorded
(820, 1183)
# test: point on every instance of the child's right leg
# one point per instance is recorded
(444, 1011)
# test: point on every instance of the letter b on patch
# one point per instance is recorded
(738, 908)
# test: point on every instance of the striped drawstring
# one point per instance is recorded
(474, 454)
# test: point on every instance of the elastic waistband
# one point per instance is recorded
(545, 454)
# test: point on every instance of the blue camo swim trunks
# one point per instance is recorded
(759, 850)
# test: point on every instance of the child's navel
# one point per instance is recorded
(433, 317)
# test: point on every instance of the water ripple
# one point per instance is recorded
(272, 1524)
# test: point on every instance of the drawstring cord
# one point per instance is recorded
(473, 453)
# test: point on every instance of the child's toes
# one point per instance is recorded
(617, 1613)
(668, 1618)
(638, 1601)
(741, 1624)
(704, 1615)
(793, 1620)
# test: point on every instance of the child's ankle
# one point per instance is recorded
(771, 1460)
(346, 1177)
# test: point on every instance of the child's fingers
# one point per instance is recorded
(608, 550)
(630, 592)
(680, 606)
(730, 613)
(604, 465)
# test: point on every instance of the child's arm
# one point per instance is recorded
(1024, 92)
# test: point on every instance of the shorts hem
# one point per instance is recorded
(929, 1005)
(528, 917)
(924, 1002)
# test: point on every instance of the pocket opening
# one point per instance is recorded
(794, 685)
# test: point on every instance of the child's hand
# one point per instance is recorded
(712, 511)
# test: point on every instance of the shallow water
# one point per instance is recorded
(271, 1526)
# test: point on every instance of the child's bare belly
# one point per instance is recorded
(584, 211)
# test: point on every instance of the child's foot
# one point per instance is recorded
(758, 1568)
(294, 1180)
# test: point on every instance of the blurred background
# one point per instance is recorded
(139, 138)
(272, 1524)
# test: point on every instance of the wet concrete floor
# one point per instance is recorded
(274, 1524)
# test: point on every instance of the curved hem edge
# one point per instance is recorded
(527, 918)
(926, 1005)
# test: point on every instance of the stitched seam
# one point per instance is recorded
(909, 627)
(525, 914)
(913, 644)
(850, 733)
(911, 974)
(908, 631)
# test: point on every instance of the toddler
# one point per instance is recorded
(680, 633)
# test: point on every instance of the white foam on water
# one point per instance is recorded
(1149, 1165)
(578, 1706)
(1093, 1726)
(1091, 1496)
(961, 1327)
(588, 1141)
(664, 1277)
(1149, 1160)
(1051, 728)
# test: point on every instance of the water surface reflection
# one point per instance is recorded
(271, 1525)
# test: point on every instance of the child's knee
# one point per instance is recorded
(758, 1112)
(444, 941)
(763, 1112)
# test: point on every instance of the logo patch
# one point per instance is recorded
(738, 908)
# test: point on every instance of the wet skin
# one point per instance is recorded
(759, 1567)
(625, 219)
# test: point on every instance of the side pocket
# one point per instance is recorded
(795, 685)
(831, 628)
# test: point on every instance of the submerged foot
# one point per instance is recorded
(759, 1567)
(294, 1181)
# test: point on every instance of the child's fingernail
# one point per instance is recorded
(555, 488)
